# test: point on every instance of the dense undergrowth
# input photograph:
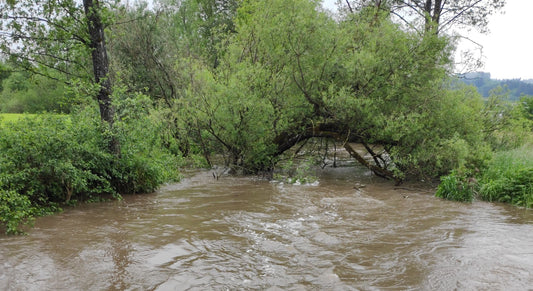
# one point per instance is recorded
(507, 174)
(508, 177)
(48, 161)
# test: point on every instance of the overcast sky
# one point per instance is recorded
(508, 47)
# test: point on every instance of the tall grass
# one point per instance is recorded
(509, 177)
(455, 187)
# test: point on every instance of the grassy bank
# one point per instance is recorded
(507, 178)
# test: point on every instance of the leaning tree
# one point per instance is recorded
(292, 73)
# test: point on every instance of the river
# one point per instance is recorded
(350, 231)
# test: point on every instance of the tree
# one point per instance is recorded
(97, 44)
(144, 49)
(23, 93)
(527, 106)
(204, 24)
(5, 71)
(291, 73)
(51, 36)
(436, 15)
(157, 50)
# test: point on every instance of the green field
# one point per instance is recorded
(11, 117)
(6, 117)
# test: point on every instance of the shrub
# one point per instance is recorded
(52, 158)
(145, 161)
(47, 160)
(15, 211)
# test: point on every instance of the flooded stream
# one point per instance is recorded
(243, 233)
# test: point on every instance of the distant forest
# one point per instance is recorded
(484, 84)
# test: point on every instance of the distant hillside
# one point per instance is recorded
(484, 84)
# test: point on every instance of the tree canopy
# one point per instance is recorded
(290, 73)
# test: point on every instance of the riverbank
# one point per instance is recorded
(50, 160)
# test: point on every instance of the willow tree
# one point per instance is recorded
(60, 39)
(292, 73)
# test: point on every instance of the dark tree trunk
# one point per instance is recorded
(436, 12)
(427, 12)
(433, 10)
(101, 67)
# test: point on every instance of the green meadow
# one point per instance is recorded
(12, 117)
(7, 117)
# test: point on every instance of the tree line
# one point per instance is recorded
(514, 88)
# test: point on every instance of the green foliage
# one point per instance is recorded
(155, 52)
(290, 67)
(145, 162)
(5, 72)
(15, 211)
(526, 106)
(23, 93)
(52, 158)
(445, 135)
(506, 123)
(393, 93)
(243, 81)
(49, 159)
(239, 120)
(143, 53)
(46, 37)
(257, 87)
(245, 78)
(456, 187)
(509, 177)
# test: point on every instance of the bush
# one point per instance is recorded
(47, 160)
(53, 158)
(15, 211)
(145, 161)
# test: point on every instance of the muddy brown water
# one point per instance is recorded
(243, 233)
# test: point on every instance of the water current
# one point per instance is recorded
(349, 231)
